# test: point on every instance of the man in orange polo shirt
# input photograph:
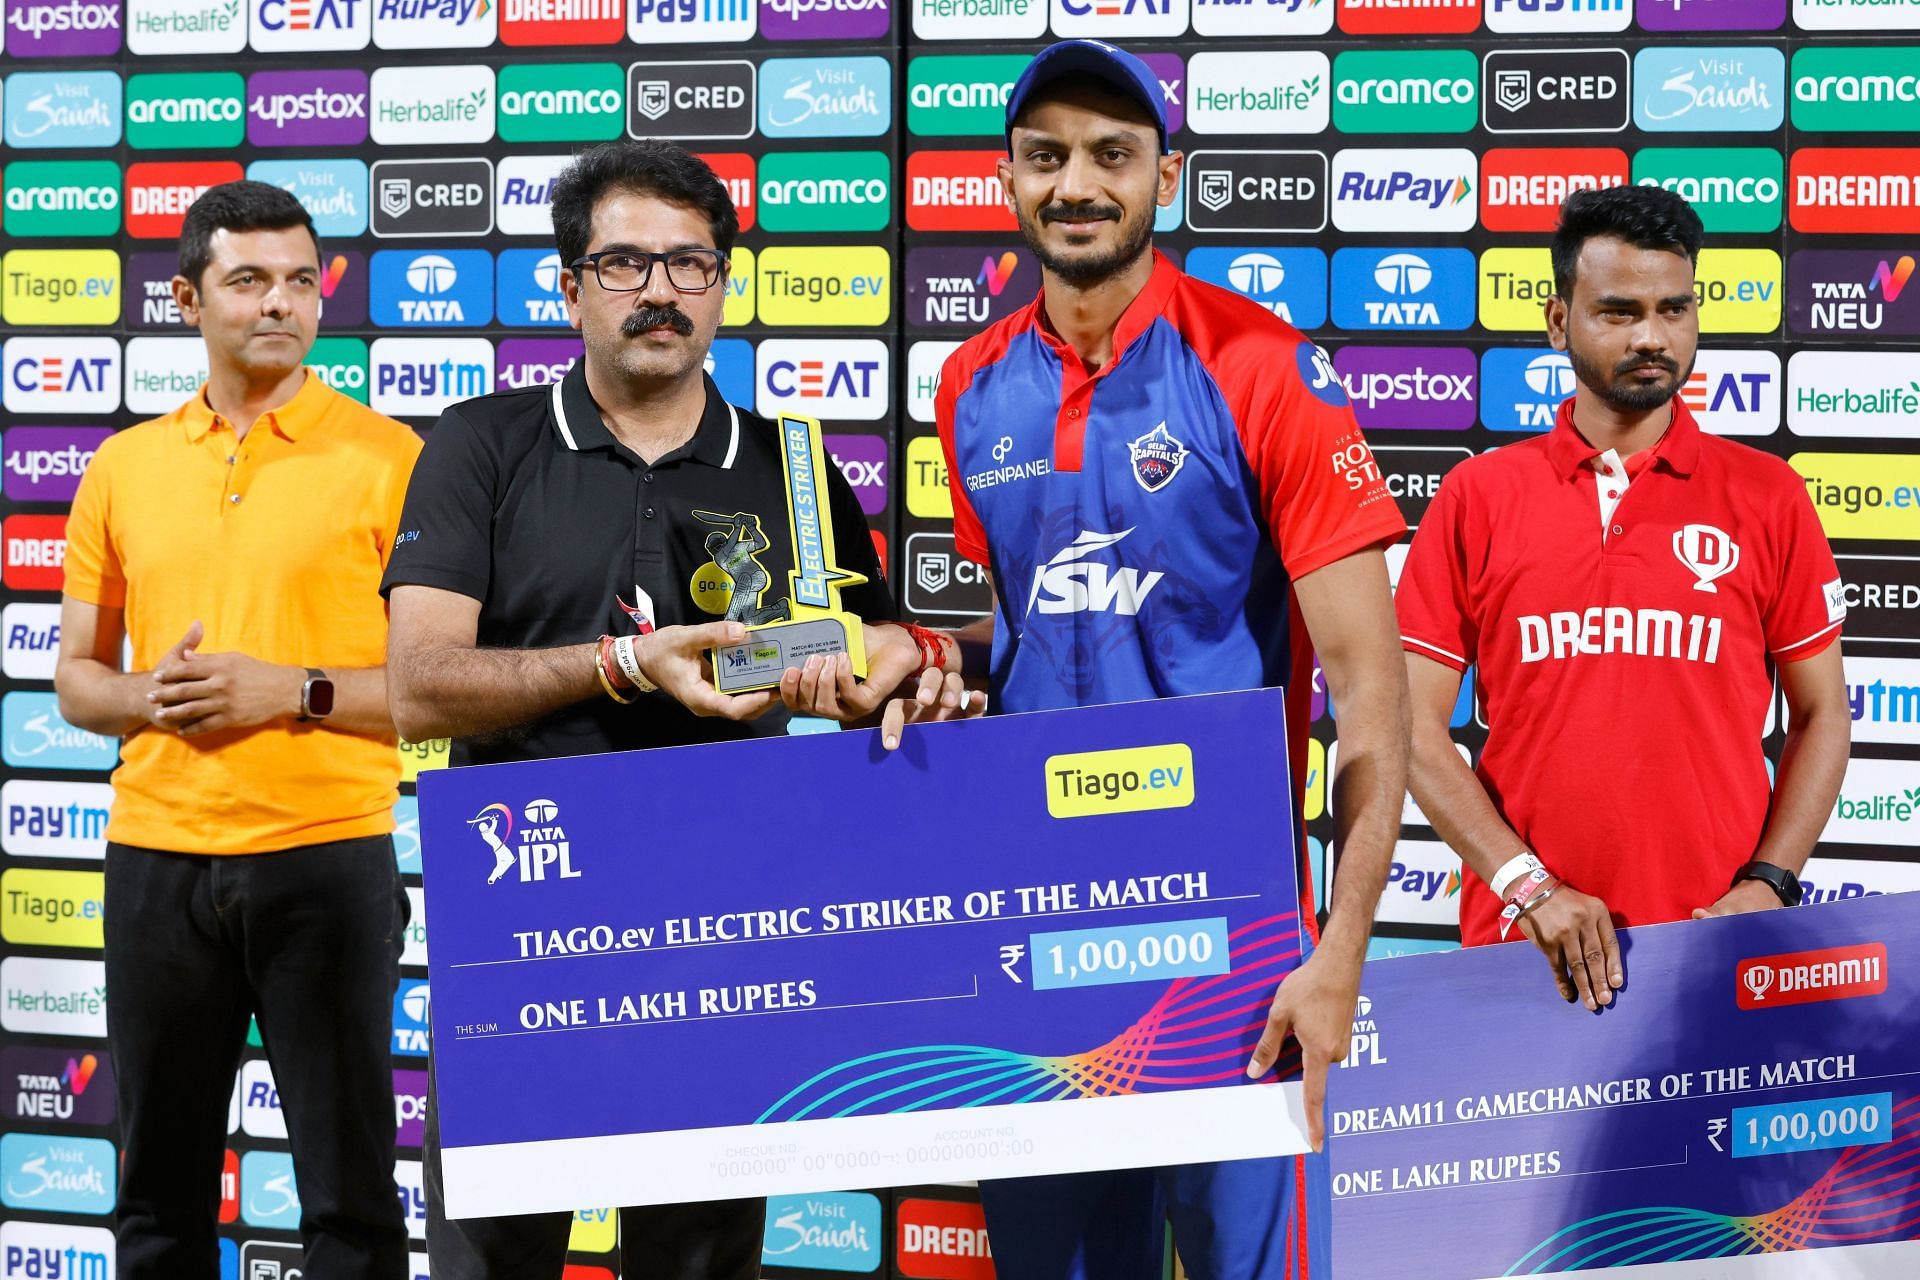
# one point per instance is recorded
(238, 542)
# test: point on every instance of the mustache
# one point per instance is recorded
(1080, 213)
(1642, 362)
(641, 319)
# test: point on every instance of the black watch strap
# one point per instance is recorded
(1782, 881)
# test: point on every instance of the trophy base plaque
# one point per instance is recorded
(768, 651)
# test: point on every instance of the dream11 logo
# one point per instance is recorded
(543, 841)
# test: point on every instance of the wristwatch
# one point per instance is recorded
(316, 696)
(1777, 878)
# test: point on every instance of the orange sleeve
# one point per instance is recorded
(93, 570)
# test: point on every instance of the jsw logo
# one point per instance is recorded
(1068, 583)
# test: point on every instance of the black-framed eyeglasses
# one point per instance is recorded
(624, 270)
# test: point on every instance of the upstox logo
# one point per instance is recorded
(562, 102)
(52, 908)
(181, 111)
(824, 286)
(1856, 495)
(1418, 91)
(950, 97)
(1127, 780)
(62, 198)
(1731, 188)
(61, 286)
(1858, 89)
(825, 191)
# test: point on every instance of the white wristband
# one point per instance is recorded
(1511, 871)
(630, 663)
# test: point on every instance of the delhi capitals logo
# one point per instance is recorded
(1157, 458)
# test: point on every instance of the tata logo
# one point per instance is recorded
(63, 109)
(53, 819)
(1522, 387)
(1538, 16)
(826, 378)
(1708, 89)
(48, 1174)
(419, 377)
(691, 21)
(529, 288)
(412, 1009)
(1291, 283)
(61, 375)
(445, 288)
(333, 192)
(1120, 19)
(43, 464)
(1076, 579)
(730, 365)
(1402, 190)
(435, 24)
(1403, 288)
(542, 845)
(825, 97)
(289, 26)
(49, 1249)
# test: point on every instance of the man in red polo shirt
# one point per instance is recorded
(1628, 587)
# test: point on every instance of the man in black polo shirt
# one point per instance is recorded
(626, 500)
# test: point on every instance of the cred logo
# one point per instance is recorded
(1803, 977)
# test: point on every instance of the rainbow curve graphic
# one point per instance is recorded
(1199, 1032)
(506, 819)
(1869, 1195)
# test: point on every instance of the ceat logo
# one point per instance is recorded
(36, 551)
(847, 378)
(942, 1240)
(957, 191)
(62, 375)
(1398, 17)
(543, 845)
(158, 195)
(1734, 393)
(1521, 187)
(290, 26)
(1803, 977)
(544, 22)
(736, 173)
(1855, 190)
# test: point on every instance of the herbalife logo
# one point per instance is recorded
(1885, 806)
(177, 27)
(542, 842)
(462, 108)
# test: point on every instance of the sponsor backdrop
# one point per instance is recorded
(1383, 173)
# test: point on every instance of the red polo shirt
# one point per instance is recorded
(1625, 621)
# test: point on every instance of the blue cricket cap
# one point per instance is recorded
(1107, 63)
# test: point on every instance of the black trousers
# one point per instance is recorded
(308, 941)
(711, 1240)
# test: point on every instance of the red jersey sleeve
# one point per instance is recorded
(1431, 600)
(1320, 489)
(1809, 601)
(969, 536)
(93, 570)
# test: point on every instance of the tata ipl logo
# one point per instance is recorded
(543, 841)
(1707, 553)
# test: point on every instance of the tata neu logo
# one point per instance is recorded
(159, 194)
(956, 191)
(1804, 977)
(1863, 190)
(1521, 187)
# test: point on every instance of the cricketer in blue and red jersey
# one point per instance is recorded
(1172, 495)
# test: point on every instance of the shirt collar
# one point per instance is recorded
(577, 421)
(1678, 450)
(290, 420)
(1134, 321)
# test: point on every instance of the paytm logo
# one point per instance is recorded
(54, 819)
(412, 1009)
(830, 378)
(1291, 283)
(1403, 288)
(529, 288)
(1537, 16)
(43, 464)
(55, 1251)
(1883, 695)
(691, 21)
(61, 375)
(334, 192)
(418, 377)
(63, 109)
(35, 737)
(1521, 387)
(268, 1197)
(49, 1174)
(440, 288)
(409, 1183)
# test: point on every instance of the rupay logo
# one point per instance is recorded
(32, 635)
(435, 24)
(1400, 190)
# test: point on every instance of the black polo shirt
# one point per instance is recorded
(524, 501)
